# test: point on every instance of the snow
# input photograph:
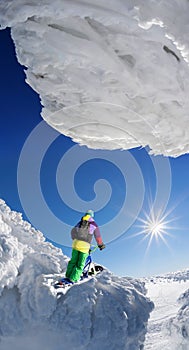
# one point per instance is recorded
(110, 74)
(179, 325)
(106, 312)
(168, 324)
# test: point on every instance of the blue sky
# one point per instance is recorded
(126, 253)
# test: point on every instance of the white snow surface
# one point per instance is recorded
(168, 327)
(106, 312)
(111, 74)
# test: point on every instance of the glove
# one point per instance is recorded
(101, 246)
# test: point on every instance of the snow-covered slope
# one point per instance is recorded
(110, 73)
(106, 312)
(168, 328)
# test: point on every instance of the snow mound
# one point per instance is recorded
(179, 325)
(110, 74)
(106, 312)
(168, 325)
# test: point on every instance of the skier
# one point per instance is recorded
(82, 235)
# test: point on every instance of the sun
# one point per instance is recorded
(155, 226)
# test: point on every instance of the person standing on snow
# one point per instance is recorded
(82, 235)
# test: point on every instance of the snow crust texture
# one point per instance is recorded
(106, 312)
(111, 74)
(168, 325)
(179, 325)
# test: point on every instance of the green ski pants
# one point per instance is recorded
(76, 265)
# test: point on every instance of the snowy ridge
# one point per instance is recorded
(107, 310)
(110, 74)
(182, 275)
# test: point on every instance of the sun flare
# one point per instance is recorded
(155, 226)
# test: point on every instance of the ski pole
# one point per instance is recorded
(93, 250)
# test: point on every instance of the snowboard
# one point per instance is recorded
(65, 283)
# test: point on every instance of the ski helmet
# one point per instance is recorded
(90, 212)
